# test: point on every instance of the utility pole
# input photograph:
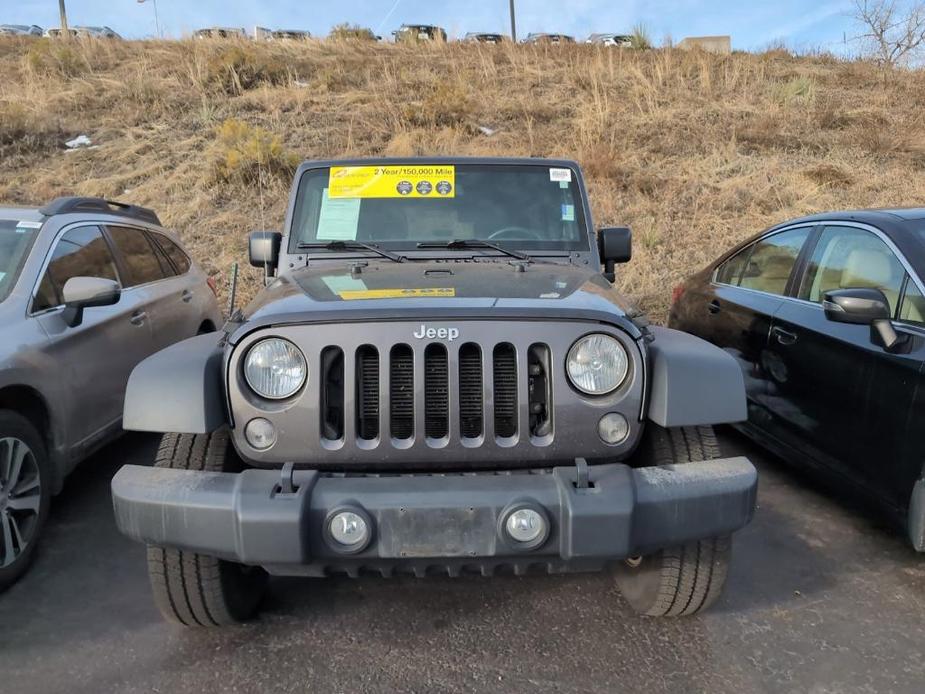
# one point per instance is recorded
(513, 23)
(157, 23)
(64, 32)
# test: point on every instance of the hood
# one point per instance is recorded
(484, 288)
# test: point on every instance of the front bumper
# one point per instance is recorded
(427, 522)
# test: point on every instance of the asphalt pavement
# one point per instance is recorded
(823, 596)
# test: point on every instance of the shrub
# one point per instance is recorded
(49, 58)
(236, 69)
(795, 91)
(347, 31)
(640, 37)
(446, 105)
(249, 154)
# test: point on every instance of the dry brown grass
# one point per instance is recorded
(694, 151)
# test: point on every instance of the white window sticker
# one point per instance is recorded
(560, 175)
(338, 219)
(28, 225)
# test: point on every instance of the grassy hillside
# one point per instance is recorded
(694, 151)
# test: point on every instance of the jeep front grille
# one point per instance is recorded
(432, 377)
(381, 396)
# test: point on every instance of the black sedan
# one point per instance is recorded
(826, 315)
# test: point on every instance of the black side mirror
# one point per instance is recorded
(863, 306)
(263, 250)
(87, 292)
(615, 245)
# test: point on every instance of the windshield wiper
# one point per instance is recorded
(475, 243)
(347, 245)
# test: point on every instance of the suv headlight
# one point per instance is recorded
(275, 368)
(597, 364)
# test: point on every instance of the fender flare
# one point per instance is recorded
(692, 382)
(178, 389)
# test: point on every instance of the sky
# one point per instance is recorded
(753, 24)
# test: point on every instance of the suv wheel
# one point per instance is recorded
(194, 589)
(680, 580)
(24, 494)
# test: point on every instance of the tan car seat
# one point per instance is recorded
(867, 268)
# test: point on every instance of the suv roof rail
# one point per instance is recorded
(77, 204)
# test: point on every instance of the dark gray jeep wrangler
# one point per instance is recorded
(438, 378)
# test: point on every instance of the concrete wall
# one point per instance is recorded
(712, 44)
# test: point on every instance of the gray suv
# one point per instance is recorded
(439, 378)
(88, 289)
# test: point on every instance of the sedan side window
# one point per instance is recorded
(771, 262)
(81, 252)
(852, 258)
(144, 261)
(912, 309)
(730, 272)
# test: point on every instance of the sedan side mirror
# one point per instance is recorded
(863, 306)
(263, 250)
(615, 245)
(87, 292)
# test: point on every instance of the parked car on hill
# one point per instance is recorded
(97, 32)
(220, 33)
(476, 37)
(826, 317)
(88, 289)
(20, 30)
(618, 40)
(419, 32)
(549, 38)
(55, 32)
(441, 378)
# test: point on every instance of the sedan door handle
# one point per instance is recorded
(138, 318)
(784, 337)
(187, 295)
(714, 307)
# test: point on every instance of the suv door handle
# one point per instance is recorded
(784, 337)
(187, 295)
(138, 318)
(714, 307)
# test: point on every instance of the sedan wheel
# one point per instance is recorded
(20, 498)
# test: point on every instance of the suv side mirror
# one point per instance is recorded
(263, 250)
(87, 292)
(863, 306)
(615, 245)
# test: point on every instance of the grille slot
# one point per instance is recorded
(436, 392)
(505, 390)
(367, 392)
(401, 392)
(332, 393)
(470, 390)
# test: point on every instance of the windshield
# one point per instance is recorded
(15, 241)
(526, 207)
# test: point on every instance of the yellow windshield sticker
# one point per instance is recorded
(353, 294)
(392, 182)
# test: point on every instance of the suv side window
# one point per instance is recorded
(912, 308)
(80, 252)
(771, 261)
(179, 259)
(730, 272)
(848, 257)
(144, 261)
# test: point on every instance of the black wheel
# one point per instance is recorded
(194, 589)
(686, 579)
(24, 494)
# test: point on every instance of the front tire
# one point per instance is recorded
(686, 579)
(25, 481)
(193, 589)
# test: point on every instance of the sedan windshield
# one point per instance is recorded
(402, 207)
(15, 241)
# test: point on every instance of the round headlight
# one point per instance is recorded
(597, 364)
(275, 368)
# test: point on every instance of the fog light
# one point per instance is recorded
(613, 428)
(260, 433)
(525, 525)
(349, 529)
